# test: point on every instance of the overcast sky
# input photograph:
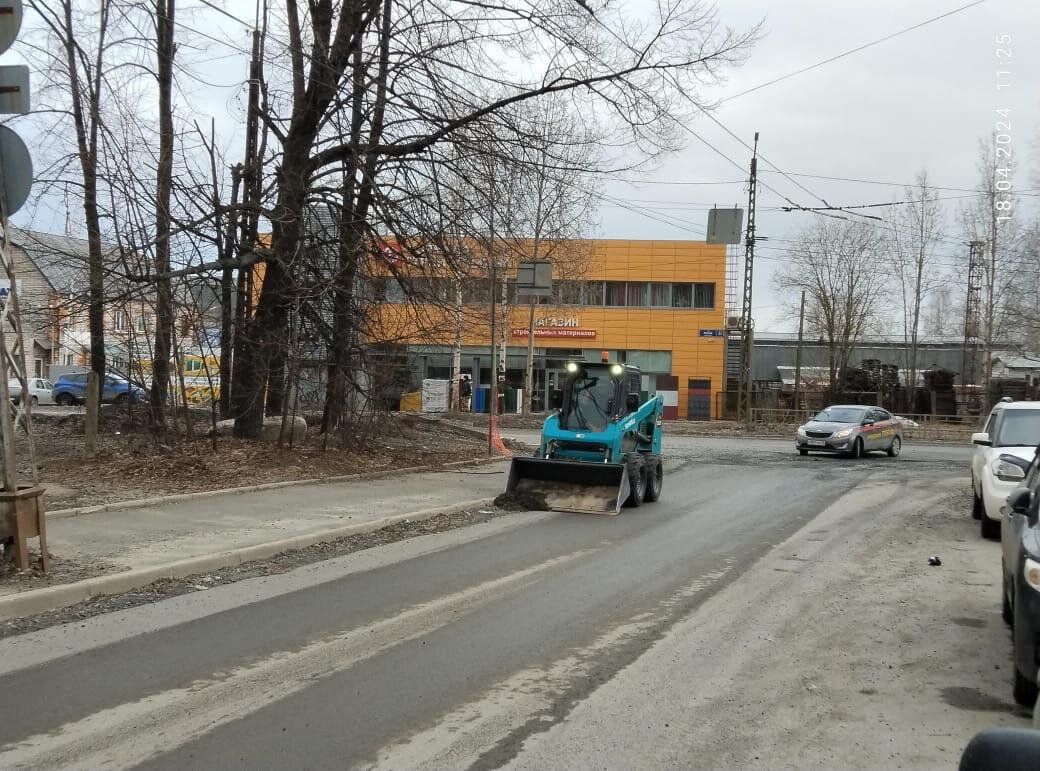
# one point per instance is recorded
(919, 101)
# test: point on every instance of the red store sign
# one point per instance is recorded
(555, 332)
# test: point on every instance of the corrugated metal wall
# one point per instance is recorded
(769, 354)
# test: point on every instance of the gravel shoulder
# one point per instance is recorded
(841, 648)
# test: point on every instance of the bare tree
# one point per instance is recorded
(165, 48)
(836, 263)
(983, 220)
(917, 229)
(376, 92)
(74, 60)
(557, 200)
(943, 313)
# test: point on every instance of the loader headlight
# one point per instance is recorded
(616, 369)
(572, 367)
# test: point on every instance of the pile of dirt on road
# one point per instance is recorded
(135, 464)
(522, 500)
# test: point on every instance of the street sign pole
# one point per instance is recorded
(15, 181)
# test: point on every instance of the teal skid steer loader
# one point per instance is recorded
(600, 448)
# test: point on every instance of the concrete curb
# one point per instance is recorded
(40, 600)
(159, 500)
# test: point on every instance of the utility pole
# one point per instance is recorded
(493, 386)
(747, 324)
(972, 314)
(798, 355)
(250, 173)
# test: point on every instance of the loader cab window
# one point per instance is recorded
(635, 382)
(590, 400)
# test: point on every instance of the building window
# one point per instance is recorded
(636, 294)
(38, 368)
(70, 359)
(142, 323)
(568, 292)
(376, 289)
(476, 291)
(703, 295)
(615, 294)
(661, 295)
(593, 293)
(120, 321)
(682, 295)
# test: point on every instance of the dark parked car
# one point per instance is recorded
(72, 389)
(851, 429)
(1020, 563)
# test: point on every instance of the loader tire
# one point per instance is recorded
(636, 480)
(654, 478)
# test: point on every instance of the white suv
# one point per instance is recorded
(1012, 428)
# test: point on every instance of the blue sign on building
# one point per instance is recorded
(712, 333)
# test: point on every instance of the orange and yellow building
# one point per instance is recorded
(652, 303)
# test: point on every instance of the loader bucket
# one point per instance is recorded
(567, 485)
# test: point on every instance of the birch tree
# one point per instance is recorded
(917, 229)
(838, 264)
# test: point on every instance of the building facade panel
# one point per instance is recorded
(677, 288)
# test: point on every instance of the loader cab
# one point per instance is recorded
(595, 395)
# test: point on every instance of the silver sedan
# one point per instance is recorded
(851, 429)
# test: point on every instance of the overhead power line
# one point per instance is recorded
(857, 49)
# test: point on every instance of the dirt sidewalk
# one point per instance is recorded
(842, 648)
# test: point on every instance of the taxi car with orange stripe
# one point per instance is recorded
(851, 429)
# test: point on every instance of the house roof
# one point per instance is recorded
(1016, 361)
(62, 260)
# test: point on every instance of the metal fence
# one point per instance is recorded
(930, 427)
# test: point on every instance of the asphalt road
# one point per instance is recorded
(450, 649)
(725, 448)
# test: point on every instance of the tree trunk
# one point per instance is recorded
(163, 184)
(86, 126)
(226, 303)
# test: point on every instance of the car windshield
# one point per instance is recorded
(591, 401)
(1019, 428)
(840, 415)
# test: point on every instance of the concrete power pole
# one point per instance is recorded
(744, 398)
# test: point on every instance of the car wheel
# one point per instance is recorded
(1025, 688)
(34, 401)
(989, 528)
(655, 480)
(63, 400)
(1006, 612)
(895, 447)
(976, 502)
(636, 480)
(857, 449)
(803, 452)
